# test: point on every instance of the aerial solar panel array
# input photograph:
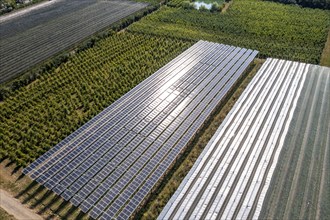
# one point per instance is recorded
(230, 178)
(32, 35)
(109, 166)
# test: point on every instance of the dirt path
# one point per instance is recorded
(227, 4)
(15, 208)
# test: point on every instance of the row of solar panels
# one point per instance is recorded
(110, 165)
(231, 177)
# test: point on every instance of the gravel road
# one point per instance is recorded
(15, 208)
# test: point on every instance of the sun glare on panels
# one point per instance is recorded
(232, 175)
(110, 165)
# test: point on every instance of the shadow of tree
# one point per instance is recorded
(9, 163)
(20, 177)
(15, 170)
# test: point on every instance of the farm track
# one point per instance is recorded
(298, 185)
(31, 46)
(13, 207)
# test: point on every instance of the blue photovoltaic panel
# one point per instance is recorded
(110, 164)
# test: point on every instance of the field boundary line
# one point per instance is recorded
(325, 57)
(324, 173)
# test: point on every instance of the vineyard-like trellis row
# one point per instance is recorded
(176, 3)
(38, 116)
(276, 30)
(23, 38)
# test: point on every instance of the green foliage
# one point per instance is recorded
(152, 2)
(219, 2)
(215, 7)
(203, 9)
(323, 4)
(187, 5)
(9, 5)
(36, 117)
(276, 30)
(178, 3)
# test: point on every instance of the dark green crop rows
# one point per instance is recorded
(323, 4)
(276, 30)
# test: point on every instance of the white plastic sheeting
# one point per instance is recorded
(231, 176)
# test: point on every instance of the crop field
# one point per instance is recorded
(276, 30)
(36, 117)
(32, 37)
(129, 109)
(300, 188)
(285, 107)
(323, 4)
(110, 165)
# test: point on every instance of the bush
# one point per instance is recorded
(203, 9)
(4, 92)
(187, 5)
(215, 7)
(276, 30)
